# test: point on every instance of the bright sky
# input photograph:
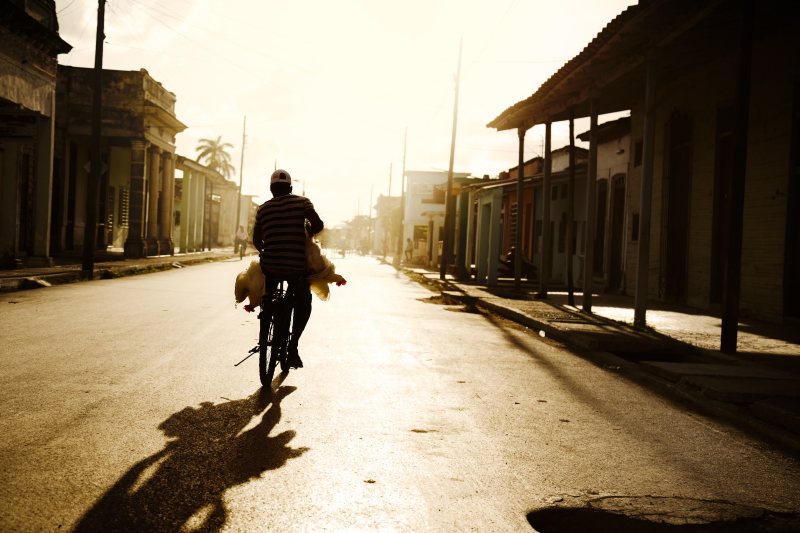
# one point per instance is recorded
(328, 87)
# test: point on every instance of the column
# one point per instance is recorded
(520, 209)
(165, 245)
(494, 236)
(135, 244)
(546, 253)
(733, 260)
(186, 196)
(43, 189)
(571, 209)
(152, 201)
(196, 208)
(645, 196)
(463, 208)
(591, 209)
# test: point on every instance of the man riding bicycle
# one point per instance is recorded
(280, 236)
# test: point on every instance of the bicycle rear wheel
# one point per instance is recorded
(267, 353)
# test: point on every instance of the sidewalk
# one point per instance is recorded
(68, 270)
(757, 389)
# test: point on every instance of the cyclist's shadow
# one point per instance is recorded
(182, 486)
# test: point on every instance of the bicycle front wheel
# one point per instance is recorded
(268, 359)
(267, 353)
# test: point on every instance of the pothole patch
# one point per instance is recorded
(635, 514)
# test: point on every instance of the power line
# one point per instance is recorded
(162, 11)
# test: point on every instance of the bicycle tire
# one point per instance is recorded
(281, 336)
(266, 355)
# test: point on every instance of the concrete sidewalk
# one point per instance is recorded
(68, 270)
(757, 389)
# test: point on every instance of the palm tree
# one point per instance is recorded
(214, 154)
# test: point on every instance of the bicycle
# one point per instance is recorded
(275, 319)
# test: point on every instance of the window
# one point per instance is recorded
(124, 206)
(437, 196)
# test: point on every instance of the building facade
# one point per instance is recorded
(29, 48)
(423, 217)
(713, 202)
(137, 186)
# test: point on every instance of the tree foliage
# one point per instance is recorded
(214, 154)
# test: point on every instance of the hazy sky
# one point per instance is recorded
(328, 87)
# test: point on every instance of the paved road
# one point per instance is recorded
(120, 409)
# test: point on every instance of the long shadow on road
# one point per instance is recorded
(182, 486)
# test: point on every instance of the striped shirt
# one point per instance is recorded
(279, 232)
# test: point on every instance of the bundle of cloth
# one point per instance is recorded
(250, 283)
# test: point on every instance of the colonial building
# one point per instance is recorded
(29, 47)
(713, 89)
(423, 219)
(136, 201)
(489, 213)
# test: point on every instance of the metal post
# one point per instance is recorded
(90, 233)
(520, 191)
(645, 198)
(400, 242)
(546, 253)
(591, 210)
(733, 261)
(570, 208)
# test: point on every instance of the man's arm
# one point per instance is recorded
(315, 224)
(257, 232)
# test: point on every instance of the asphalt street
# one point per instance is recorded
(121, 409)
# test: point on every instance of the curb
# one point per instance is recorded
(103, 272)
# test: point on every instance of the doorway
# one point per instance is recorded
(617, 228)
(600, 228)
(723, 176)
(677, 186)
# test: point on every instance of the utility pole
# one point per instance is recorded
(390, 180)
(241, 173)
(90, 235)
(399, 253)
(369, 231)
(449, 205)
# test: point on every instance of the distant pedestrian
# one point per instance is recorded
(240, 240)
(409, 250)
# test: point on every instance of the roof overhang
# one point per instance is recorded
(158, 116)
(610, 69)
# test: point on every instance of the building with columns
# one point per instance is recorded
(711, 193)
(204, 215)
(29, 47)
(137, 184)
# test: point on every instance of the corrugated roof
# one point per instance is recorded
(572, 65)
(610, 69)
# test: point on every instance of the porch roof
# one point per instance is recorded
(610, 68)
